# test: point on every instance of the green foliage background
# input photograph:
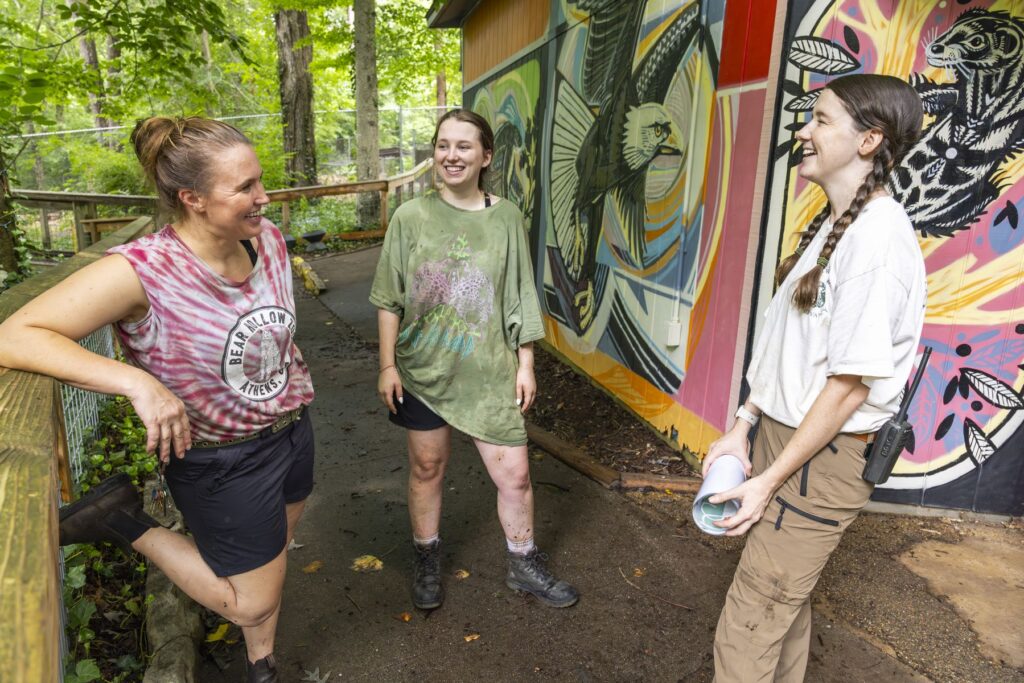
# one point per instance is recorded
(160, 69)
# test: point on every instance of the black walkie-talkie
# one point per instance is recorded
(892, 437)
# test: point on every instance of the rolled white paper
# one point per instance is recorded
(725, 473)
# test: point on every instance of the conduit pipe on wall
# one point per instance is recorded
(675, 327)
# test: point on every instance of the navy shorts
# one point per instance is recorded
(413, 414)
(233, 497)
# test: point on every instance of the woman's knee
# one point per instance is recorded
(252, 612)
(427, 469)
(513, 480)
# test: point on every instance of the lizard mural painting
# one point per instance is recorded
(963, 187)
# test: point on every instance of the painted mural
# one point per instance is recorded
(605, 135)
(620, 142)
(963, 187)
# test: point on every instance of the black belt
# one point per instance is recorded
(279, 424)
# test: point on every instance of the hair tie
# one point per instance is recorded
(799, 251)
(822, 261)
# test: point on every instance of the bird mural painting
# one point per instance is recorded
(604, 139)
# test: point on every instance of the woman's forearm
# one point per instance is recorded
(525, 355)
(387, 333)
(34, 349)
(840, 397)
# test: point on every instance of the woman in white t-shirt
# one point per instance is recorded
(838, 342)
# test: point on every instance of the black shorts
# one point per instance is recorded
(233, 498)
(413, 414)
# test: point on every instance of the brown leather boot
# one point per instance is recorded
(261, 671)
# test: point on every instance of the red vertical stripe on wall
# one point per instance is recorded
(746, 41)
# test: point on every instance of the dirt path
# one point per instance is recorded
(652, 586)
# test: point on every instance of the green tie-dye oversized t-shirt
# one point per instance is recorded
(462, 286)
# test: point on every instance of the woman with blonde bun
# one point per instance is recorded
(205, 314)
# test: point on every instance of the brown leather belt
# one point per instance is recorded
(279, 424)
(866, 438)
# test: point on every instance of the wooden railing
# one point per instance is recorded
(33, 468)
(89, 228)
(421, 174)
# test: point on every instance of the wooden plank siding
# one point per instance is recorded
(31, 449)
(499, 29)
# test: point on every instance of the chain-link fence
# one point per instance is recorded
(81, 417)
(82, 408)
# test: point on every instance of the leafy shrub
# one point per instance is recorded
(104, 589)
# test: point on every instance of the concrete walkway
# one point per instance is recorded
(651, 590)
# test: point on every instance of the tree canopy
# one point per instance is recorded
(69, 65)
(208, 57)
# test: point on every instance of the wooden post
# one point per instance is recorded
(64, 473)
(44, 225)
(78, 209)
(398, 196)
(384, 209)
(286, 218)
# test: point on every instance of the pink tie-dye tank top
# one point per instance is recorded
(224, 348)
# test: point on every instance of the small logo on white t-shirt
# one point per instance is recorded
(258, 353)
(818, 310)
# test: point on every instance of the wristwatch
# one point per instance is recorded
(743, 414)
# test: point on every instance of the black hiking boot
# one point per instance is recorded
(427, 592)
(262, 671)
(111, 511)
(529, 574)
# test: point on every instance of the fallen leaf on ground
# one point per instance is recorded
(218, 633)
(471, 637)
(404, 616)
(639, 571)
(315, 676)
(367, 563)
(461, 574)
(313, 567)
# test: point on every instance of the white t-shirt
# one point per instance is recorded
(867, 321)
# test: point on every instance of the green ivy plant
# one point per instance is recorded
(104, 587)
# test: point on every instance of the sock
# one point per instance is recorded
(520, 547)
(426, 542)
(128, 527)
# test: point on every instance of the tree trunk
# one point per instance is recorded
(87, 48)
(367, 140)
(8, 257)
(442, 85)
(113, 65)
(294, 53)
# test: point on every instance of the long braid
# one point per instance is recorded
(806, 291)
(805, 238)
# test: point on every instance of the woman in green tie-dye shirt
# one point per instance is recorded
(458, 317)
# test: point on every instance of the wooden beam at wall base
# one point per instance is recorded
(573, 457)
(582, 462)
(642, 480)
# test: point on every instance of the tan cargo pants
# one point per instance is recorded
(764, 631)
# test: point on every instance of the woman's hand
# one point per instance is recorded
(754, 496)
(389, 388)
(733, 442)
(526, 387)
(163, 414)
